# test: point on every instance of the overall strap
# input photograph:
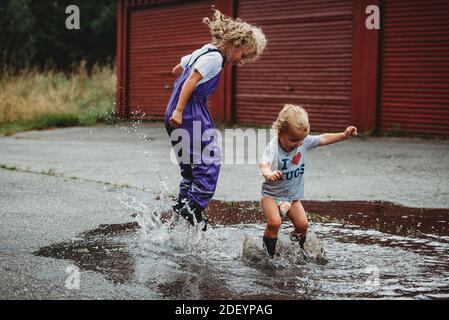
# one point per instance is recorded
(206, 52)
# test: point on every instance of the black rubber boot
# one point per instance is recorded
(191, 212)
(178, 205)
(300, 239)
(270, 245)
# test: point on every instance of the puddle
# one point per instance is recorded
(383, 216)
(374, 250)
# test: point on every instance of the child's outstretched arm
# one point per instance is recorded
(329, 138)
(186, 92)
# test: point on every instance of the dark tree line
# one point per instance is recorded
(33, 33)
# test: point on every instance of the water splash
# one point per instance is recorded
(165, 255)
(161, 230)
(164, 232)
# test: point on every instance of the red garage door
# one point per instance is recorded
(158, 37)
(307, 61)
(415, 66)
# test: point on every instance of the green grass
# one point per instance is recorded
(32, 100)
(11, 168)
(53, 120)
(53, 173)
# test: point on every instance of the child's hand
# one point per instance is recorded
(176, 119)
(350, 131)
(276, 175)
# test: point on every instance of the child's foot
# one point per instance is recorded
(304, 254)
(178, 205)
(270, 246)
(298, 238)
(191, 212)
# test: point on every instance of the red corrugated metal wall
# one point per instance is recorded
(365, 59)
(307, 61)
(415, 66)
(158, 36)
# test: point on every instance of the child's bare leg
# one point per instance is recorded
(298, 216)
(271, 213)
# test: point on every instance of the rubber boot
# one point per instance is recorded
(270, 245)
(298, 238)
(191, 212)
(178, 205)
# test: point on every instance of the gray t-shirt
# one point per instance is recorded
(208, 65)
(292, 164)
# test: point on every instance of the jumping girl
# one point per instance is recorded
(233, 41)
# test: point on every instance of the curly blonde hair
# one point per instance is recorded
(228, 33)
(292, 115)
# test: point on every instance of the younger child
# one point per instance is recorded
(233, 41)
(283, 165)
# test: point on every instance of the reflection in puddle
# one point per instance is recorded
(369, 255)
(102, 250)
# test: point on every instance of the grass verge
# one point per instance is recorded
(32, 100)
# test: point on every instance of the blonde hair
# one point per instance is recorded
(292, 115)
(229, 33)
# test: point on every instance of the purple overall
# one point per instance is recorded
(199, 177)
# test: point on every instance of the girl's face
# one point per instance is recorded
(291, 138)
(237, 55)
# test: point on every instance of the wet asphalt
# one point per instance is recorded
(57, 184)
